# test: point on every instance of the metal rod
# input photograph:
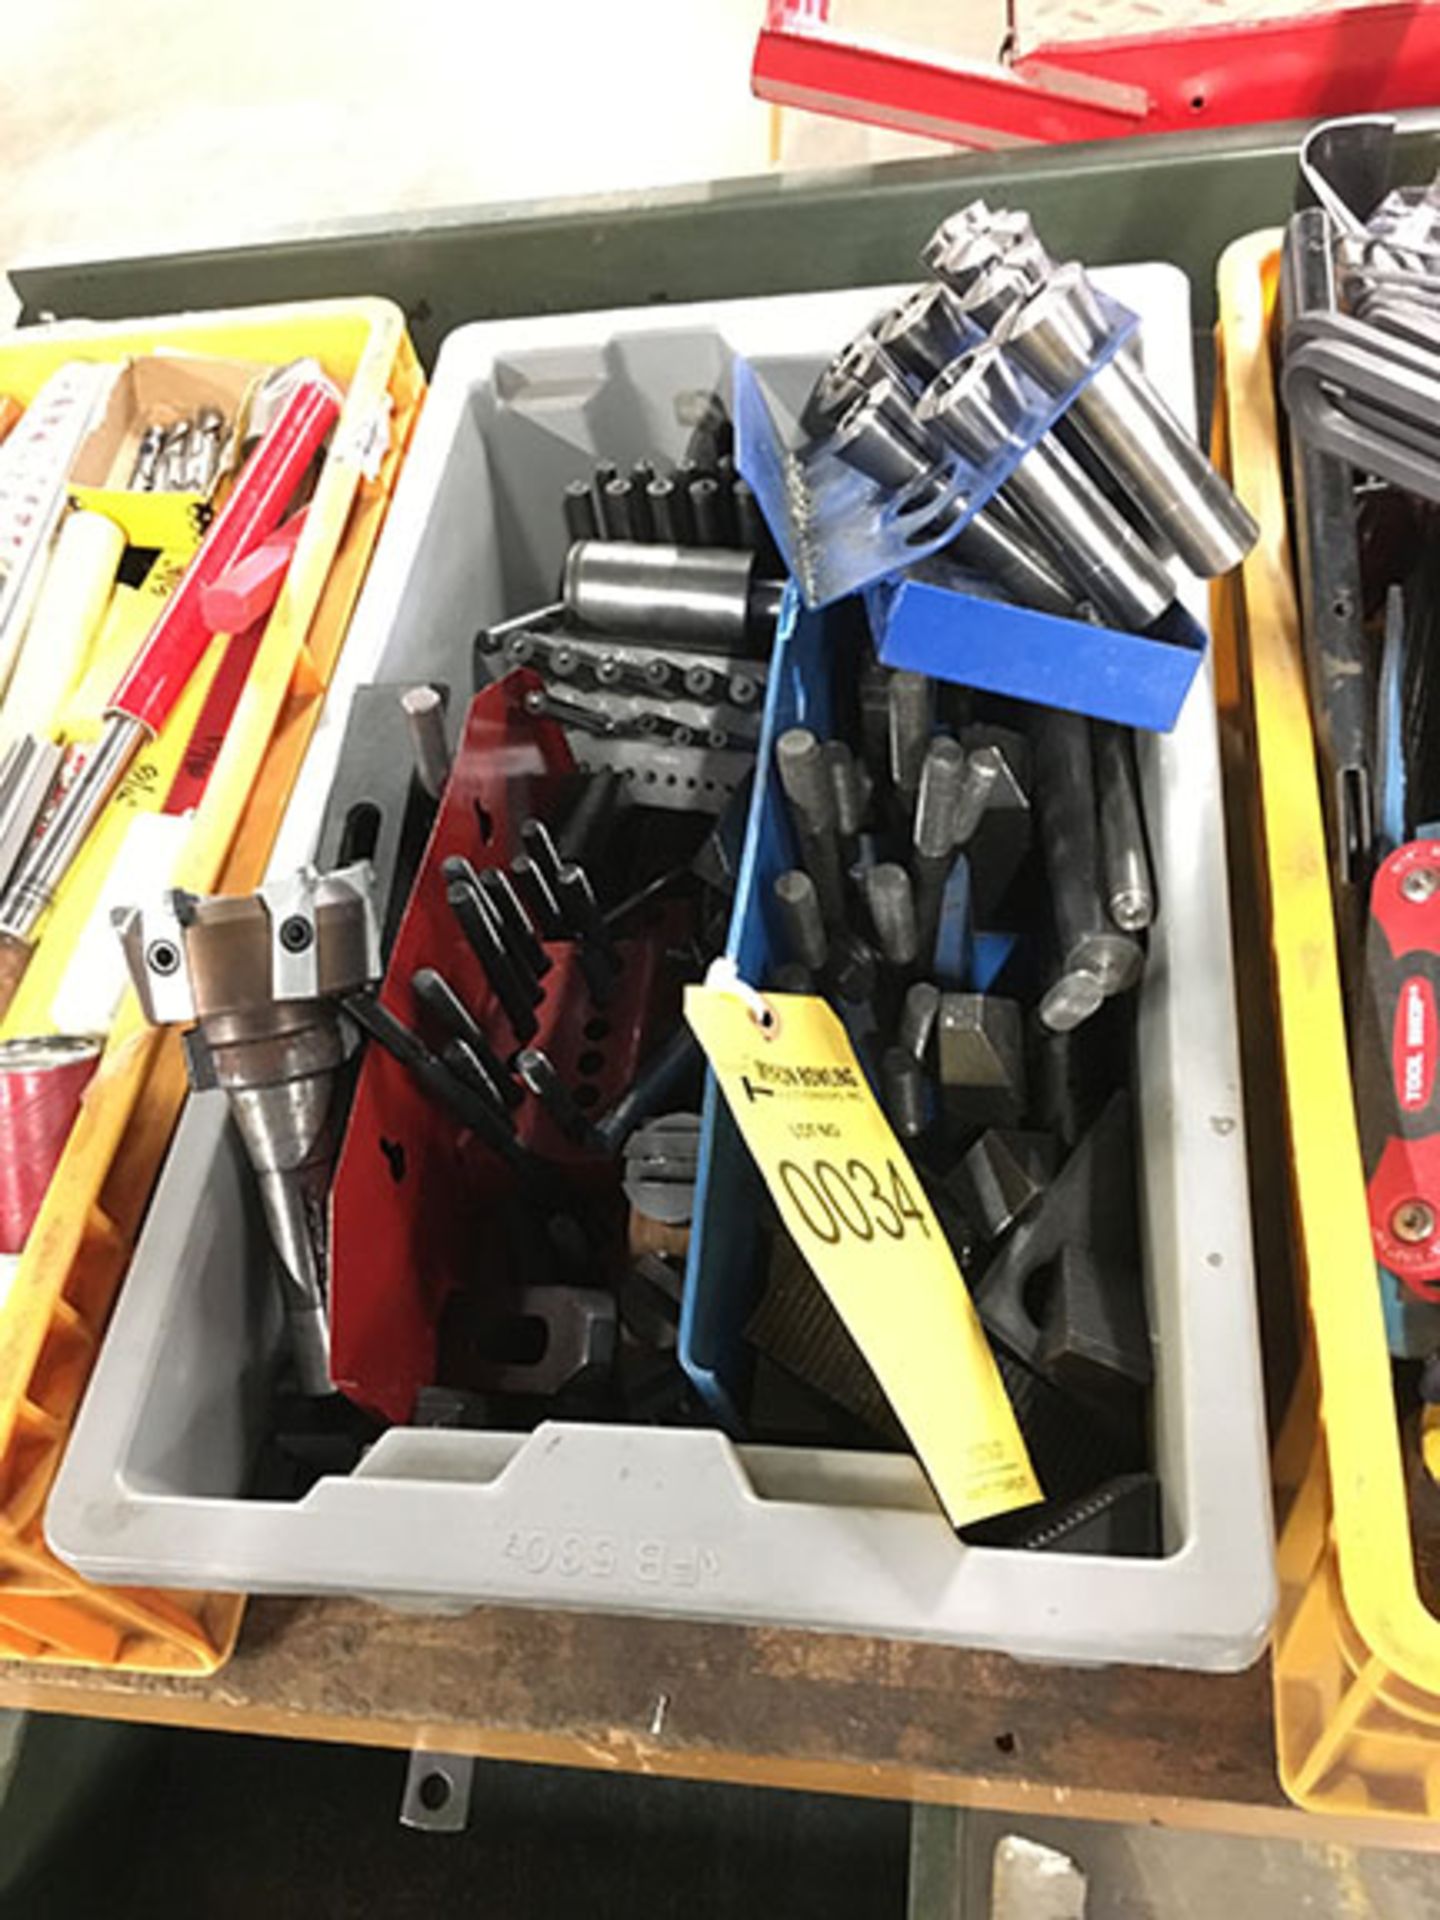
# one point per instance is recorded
(920, 1011)
(891, 900)
(801, 920)
(519, 935)
(663, 501)
(506, 981)
(436, 997)
(942, 779)
(995, 542)
(535, 888)
(979, 407)
(41, 870)
(1129, 889)
(911, 698)
(660, 1074)
(1054, 335)
(458, 1099)
(983, 769)
(424, 709)
(805, 781)
(1089, 947)
(706, 598)
(540, 1075)
(582, 522)
(706, 510)
(906, 1092)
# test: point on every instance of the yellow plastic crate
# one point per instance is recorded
(1357, 1652)
(53, 1313)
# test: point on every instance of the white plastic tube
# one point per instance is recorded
(74, 595)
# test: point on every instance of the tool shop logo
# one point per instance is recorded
(1415, 1040)
(822, 1079)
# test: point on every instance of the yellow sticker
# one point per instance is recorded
(858, 1213)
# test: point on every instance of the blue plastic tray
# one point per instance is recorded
(1140, 680)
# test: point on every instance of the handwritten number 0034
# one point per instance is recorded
(857, 1201)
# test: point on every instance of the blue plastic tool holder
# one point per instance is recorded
(726, 1271)
(969, 635)
(839, 531)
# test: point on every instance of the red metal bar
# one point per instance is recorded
(985, 106)
(1357, 60)
(1360, 60)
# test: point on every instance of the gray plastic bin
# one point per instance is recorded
(686, 1522)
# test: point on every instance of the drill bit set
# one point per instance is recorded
(968, 883)
(654, 658)
(181, 456)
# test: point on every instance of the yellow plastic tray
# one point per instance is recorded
(1357, 1652)
(53, 1313)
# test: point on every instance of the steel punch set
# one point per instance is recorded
(715, 1058)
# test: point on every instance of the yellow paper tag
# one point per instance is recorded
(858, 1213)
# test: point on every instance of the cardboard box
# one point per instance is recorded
(161, 389)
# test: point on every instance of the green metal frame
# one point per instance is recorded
(1181, 198)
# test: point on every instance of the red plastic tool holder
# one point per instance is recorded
(414, 1210)
(1312, 66)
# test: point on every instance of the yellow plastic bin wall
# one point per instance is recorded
(53, 1313)
(1357, 1653)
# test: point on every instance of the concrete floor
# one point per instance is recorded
(145, 124)
(1147, 1873)
(130, 125)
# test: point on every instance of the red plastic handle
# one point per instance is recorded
(1397, 1066)
(246, 592)
(156, 678)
